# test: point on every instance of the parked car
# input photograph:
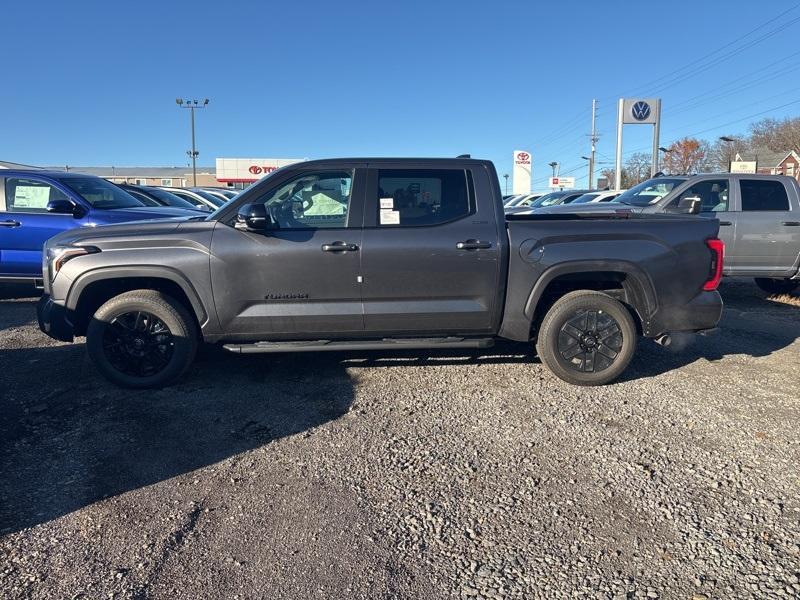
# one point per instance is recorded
(545, 200)
(198, 198)
(759, 219)
(220, 193)
(368, 254)
(36, 205)
(597, 196)
(153, 196)
(523, 200)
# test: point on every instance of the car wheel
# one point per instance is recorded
(142, 339)
(587, 338)
(777, 286)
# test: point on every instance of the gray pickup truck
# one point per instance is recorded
(361, 254)
(759, 218)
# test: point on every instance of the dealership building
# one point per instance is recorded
(228, 172)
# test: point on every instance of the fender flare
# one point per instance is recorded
(639, 287)
(147, 271)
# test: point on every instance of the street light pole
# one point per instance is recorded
(193, 153)
(506, 177)
(594, 139)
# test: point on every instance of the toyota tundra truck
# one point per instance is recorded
(366, 254)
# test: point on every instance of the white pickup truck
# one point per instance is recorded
(759, 217)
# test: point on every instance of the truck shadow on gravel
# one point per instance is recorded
(69, 439)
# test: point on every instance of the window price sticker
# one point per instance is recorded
(390, 217)
(387, 203)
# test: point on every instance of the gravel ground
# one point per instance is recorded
(393, 476)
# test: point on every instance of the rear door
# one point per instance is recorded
(767, 229)
(25, 224)
(302, 278)
(430, 258)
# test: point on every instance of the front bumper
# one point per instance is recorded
(54, 319)
(702, 313)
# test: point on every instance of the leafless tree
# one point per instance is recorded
(721, 153)
(778, 135)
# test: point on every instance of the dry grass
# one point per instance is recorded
(790, 299)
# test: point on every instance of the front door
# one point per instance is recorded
(716, 202)
(25, 224)
(301, 278)
(430, 258)
(767, 230)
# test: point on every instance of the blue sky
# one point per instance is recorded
(94, 83)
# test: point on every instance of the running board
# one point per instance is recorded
(328, 345)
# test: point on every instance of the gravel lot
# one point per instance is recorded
(381, 475)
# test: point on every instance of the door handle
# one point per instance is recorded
(10, 223)
(725, 223)
(339, 247)
(473, 245)
(791, 223)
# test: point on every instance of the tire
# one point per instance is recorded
(604, 351)
(142, 339)
(777, 286)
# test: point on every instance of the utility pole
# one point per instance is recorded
(193, 153)
(593, 139)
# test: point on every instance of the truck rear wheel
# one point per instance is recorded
(777, 286)
(142, 339)
(587, 338)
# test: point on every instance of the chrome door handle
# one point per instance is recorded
(10, 223)
(339, 247)
(473, 245)
(725, 223)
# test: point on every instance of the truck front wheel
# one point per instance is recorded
(142, 339)
(587, 338)
(777, 286)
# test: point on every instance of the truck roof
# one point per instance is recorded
(386, 160)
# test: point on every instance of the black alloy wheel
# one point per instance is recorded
(590, 341)
(138, 343)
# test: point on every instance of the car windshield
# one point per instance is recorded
(171, 199)
(215, 200)
(648, 192)
(547, 200)
(584, 199)
(100, 193)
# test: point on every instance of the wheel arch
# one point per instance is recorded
(89, 291)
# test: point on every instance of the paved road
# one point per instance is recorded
(392, 476)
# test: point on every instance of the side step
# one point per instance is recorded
(358, 345)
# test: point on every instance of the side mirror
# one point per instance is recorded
(254, 217)
(63, 206)
(691, 204)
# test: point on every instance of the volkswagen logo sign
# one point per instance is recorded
(640, 110)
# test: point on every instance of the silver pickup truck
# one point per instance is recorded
(759, 217)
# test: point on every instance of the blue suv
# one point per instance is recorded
(36, 205)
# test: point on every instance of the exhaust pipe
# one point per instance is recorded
(664, 340)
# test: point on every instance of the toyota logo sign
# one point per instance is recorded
(523, 158)
(640, 110)
(255, 170)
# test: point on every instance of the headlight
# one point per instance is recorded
(59, 255)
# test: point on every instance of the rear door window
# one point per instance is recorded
(422, 197)
(763, 195)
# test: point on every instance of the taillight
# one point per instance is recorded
(717, 248)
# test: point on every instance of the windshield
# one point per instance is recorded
(100, 193)
(548, 200)
(173, 200)
(584, 199)
(648, 192)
